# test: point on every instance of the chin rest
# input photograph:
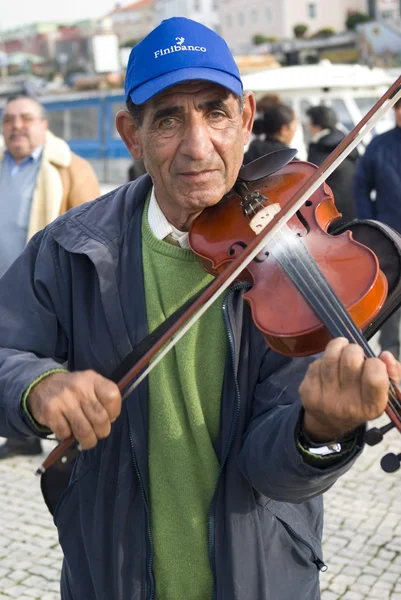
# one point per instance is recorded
(266, 165)
(386, 244)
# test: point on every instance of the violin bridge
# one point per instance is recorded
(264, 216)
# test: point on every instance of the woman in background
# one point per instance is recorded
(275, 130)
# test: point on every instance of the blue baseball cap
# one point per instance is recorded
(178, 50)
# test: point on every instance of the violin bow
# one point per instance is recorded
(222, 282)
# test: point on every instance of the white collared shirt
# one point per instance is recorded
(159, 225)
(319, 135)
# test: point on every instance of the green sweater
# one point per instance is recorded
(184, 413)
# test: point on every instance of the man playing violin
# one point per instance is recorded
(207, 481)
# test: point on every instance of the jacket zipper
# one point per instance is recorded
(151, 582)
(211, 518)
(316, 560)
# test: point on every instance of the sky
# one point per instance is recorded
(21, 12)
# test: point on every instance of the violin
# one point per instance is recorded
(324, 286)
(298, 282)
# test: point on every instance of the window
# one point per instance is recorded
(312, 10)
(254, 16)
(83, 123)
(343, 115)
(268, 14)
(75, 123)
(365, 104)
(56, 122)
(229, 21)
(197, 5)
(241, 19)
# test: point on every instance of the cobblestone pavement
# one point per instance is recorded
(362, 541)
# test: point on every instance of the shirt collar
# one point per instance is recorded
(160, 226)
(319, 135)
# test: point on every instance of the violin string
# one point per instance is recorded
(304, 273)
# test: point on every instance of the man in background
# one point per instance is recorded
(377, 193)
(40, 178)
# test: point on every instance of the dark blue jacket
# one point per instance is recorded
(379, 169)
(76, 294)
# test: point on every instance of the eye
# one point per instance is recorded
(217, 114)
(167, 123)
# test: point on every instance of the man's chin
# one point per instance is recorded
(19, 152)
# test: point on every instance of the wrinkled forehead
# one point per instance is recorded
(21, 106)
(197, 90)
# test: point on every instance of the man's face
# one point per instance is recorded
(397, 113)
(24, 128)
(192, 139)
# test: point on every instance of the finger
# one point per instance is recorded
(310, 389)
(82, 429)
(374, 387)
(108, 395)
(60, 427)
(393, 366)
(97, 416)
(330, 367)
(351, 366)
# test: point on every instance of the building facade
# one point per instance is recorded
(131, 22)
(241, 20)
(203, 11)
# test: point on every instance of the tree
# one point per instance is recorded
(300, 30)
(354, 18)
(324, 33)
(259, 38)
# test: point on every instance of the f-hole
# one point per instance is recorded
(303, 221)
(231, 251)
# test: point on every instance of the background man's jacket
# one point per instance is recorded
(379, 169)
(64, 180)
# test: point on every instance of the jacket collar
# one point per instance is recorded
(103, 221)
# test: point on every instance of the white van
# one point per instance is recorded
(351, 90)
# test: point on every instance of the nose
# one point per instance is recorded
(18, 122)
(197, 143)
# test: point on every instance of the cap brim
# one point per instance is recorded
(147, 90)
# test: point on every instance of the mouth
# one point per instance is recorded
(17, 135)
(197, 175)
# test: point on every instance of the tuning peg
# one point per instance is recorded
(391, 462)
(375, 435)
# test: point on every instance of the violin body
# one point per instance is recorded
(280, 310)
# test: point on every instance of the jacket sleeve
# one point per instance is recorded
(32, 339)
(364, 183)
(270, 458)
(84, 184)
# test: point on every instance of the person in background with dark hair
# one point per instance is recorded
(325, 137)
(267, 101)
(277, 128)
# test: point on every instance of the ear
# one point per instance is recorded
(248, 115)
(129, 132)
